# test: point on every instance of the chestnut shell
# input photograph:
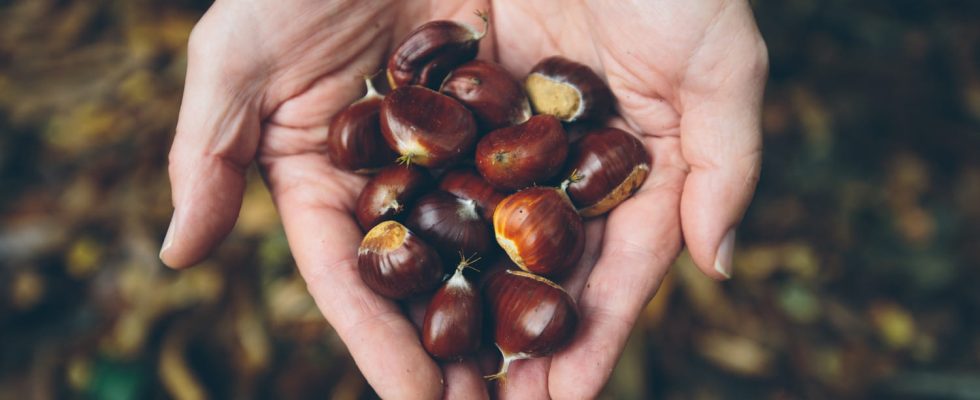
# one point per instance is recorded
(540, 231)
(610, 165)
(496, 99)
(519, 156)
(466, 183)
(431, 51)
(426, 127)
(396, 263)
(532, 316)
(354, 140)
(453, 324)
(451, 224)
(568, 90)
(388, 194)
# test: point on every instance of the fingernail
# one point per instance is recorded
(169, 239)
(726, 250)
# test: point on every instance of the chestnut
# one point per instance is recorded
(388, 193)
(426, 127)
(354, 141)
(605, 168)
(568, 90)
(466, 183)
(486, 88)
(532, 316)
(396, 263)
(433, 49)
(519, 156)
(540, 230)
(451, 224)
(453, 321)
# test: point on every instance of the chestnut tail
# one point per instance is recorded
(501, 375)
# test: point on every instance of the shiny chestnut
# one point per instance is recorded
(451, 224)
(432, 50)
(532, 316)
(354, 141)
(453, 324)
(396, 263)
(426, 127)
(486, 88)
(605, 168)
(389, 193)
(568, 90)
(540, 231)
(466, 183)
(522, 155)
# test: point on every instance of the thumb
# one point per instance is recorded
(721, 141)
(217, 137)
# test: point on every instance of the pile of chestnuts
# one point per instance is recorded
(467, 162)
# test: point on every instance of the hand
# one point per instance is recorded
(263, 79)
(689, 78)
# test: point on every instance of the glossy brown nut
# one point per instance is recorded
(354, 140)
(486, 88)
(451, 224)
(426, 127)
(432, 50)
(388, 193)
(522, 155)
(532, 316)
(610, 165)
(466, 183)
(568, 90)
(540, 231)
(453, 323)
(396, 263)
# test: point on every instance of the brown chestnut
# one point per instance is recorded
(540, 230)
(451, 224)
(429, 52)
(486, 88)
(396, 263)
(354, 141)
(387, 194)
(426, 127)
(568, 90)
(466, 183)
(453, 320)
(608, 165)
(532, 316)
(522, 155)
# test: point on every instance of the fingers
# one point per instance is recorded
(526, 380)
(464, 381)
(721, 139)
(642, 239)
(314, 201)
(217, 136)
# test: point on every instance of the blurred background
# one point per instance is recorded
(856, 270)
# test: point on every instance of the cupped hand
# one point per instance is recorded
(688, 77)
(263, 79)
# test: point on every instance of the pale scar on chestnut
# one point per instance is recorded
(387, 236)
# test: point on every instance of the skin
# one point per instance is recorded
(264, 77)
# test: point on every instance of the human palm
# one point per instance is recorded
(264, 78)
(688, 78)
